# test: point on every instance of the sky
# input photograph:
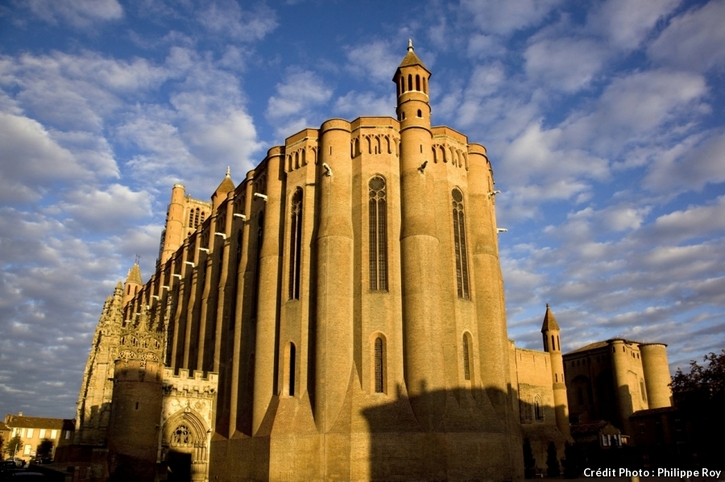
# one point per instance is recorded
(600, 118)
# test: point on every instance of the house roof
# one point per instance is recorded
(19, 421)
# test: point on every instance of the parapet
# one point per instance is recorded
(194, 381)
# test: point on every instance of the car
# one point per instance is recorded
(7, 465)
(24, 475)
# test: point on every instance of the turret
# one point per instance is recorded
(419, 245)
(173, 234)
(552, 345)
(225, 187)
(133, 283)
(656, 374)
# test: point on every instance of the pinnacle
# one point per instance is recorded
(226, 185)
(412, 59)
(550, 323)
(134, 275)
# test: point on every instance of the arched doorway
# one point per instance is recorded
(185, 447)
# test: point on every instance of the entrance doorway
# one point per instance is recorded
(179, 466)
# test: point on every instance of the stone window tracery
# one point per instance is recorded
(466, 356)
(181, 435)
(295, 245)
(379, 365)
(538, 409)
(378, 240)
(459, 244)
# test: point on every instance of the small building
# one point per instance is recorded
(34, 430)
(610, 380)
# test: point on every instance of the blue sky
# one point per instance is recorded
(603, 121)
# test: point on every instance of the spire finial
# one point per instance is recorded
(410, 45)
(229, 171)
(547, 306)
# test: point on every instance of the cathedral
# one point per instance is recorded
(338, 315)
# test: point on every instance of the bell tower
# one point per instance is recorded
(419, 245)
(550, 332)
(411, 80)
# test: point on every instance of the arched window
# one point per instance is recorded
(292, 368)
(410, 82)
(181, 435)
(466, 356)
(417, 82)
(538, 410)
(295, 245)
(642, 390)
(459, 244)
(378, 246)
(379, 365)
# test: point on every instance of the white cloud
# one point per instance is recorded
(567, 64)
(627, 23)
(30, 160)
(482, 46)
(375, 60)
(354, 104)
(503, 18)
(542, 157)
(689, 165)
(79, 13)
(694, 40)
(634, 106)
(226, 17)
(625, 217)
(693, 222)
(78, 91)
(97, 210)
(300, 90)
(290, 109)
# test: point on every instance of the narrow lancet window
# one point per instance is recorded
(466, 357)
(459, 243)
(378, 246)
(295, 246)
(379, 365)
(292, 369)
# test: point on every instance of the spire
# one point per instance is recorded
(226, 185)
(550, 323)
(411, 59)
(134, 274)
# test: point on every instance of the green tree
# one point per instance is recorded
(45, 448)
(700, 397)
(552, 461)
(529, 460)
(573, 461)
(15, 446)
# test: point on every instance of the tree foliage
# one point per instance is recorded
(529, 460)
(45, 448)
(700, 397)
(14, 446)
(573, 461)
(703, 382)
(552, 461)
